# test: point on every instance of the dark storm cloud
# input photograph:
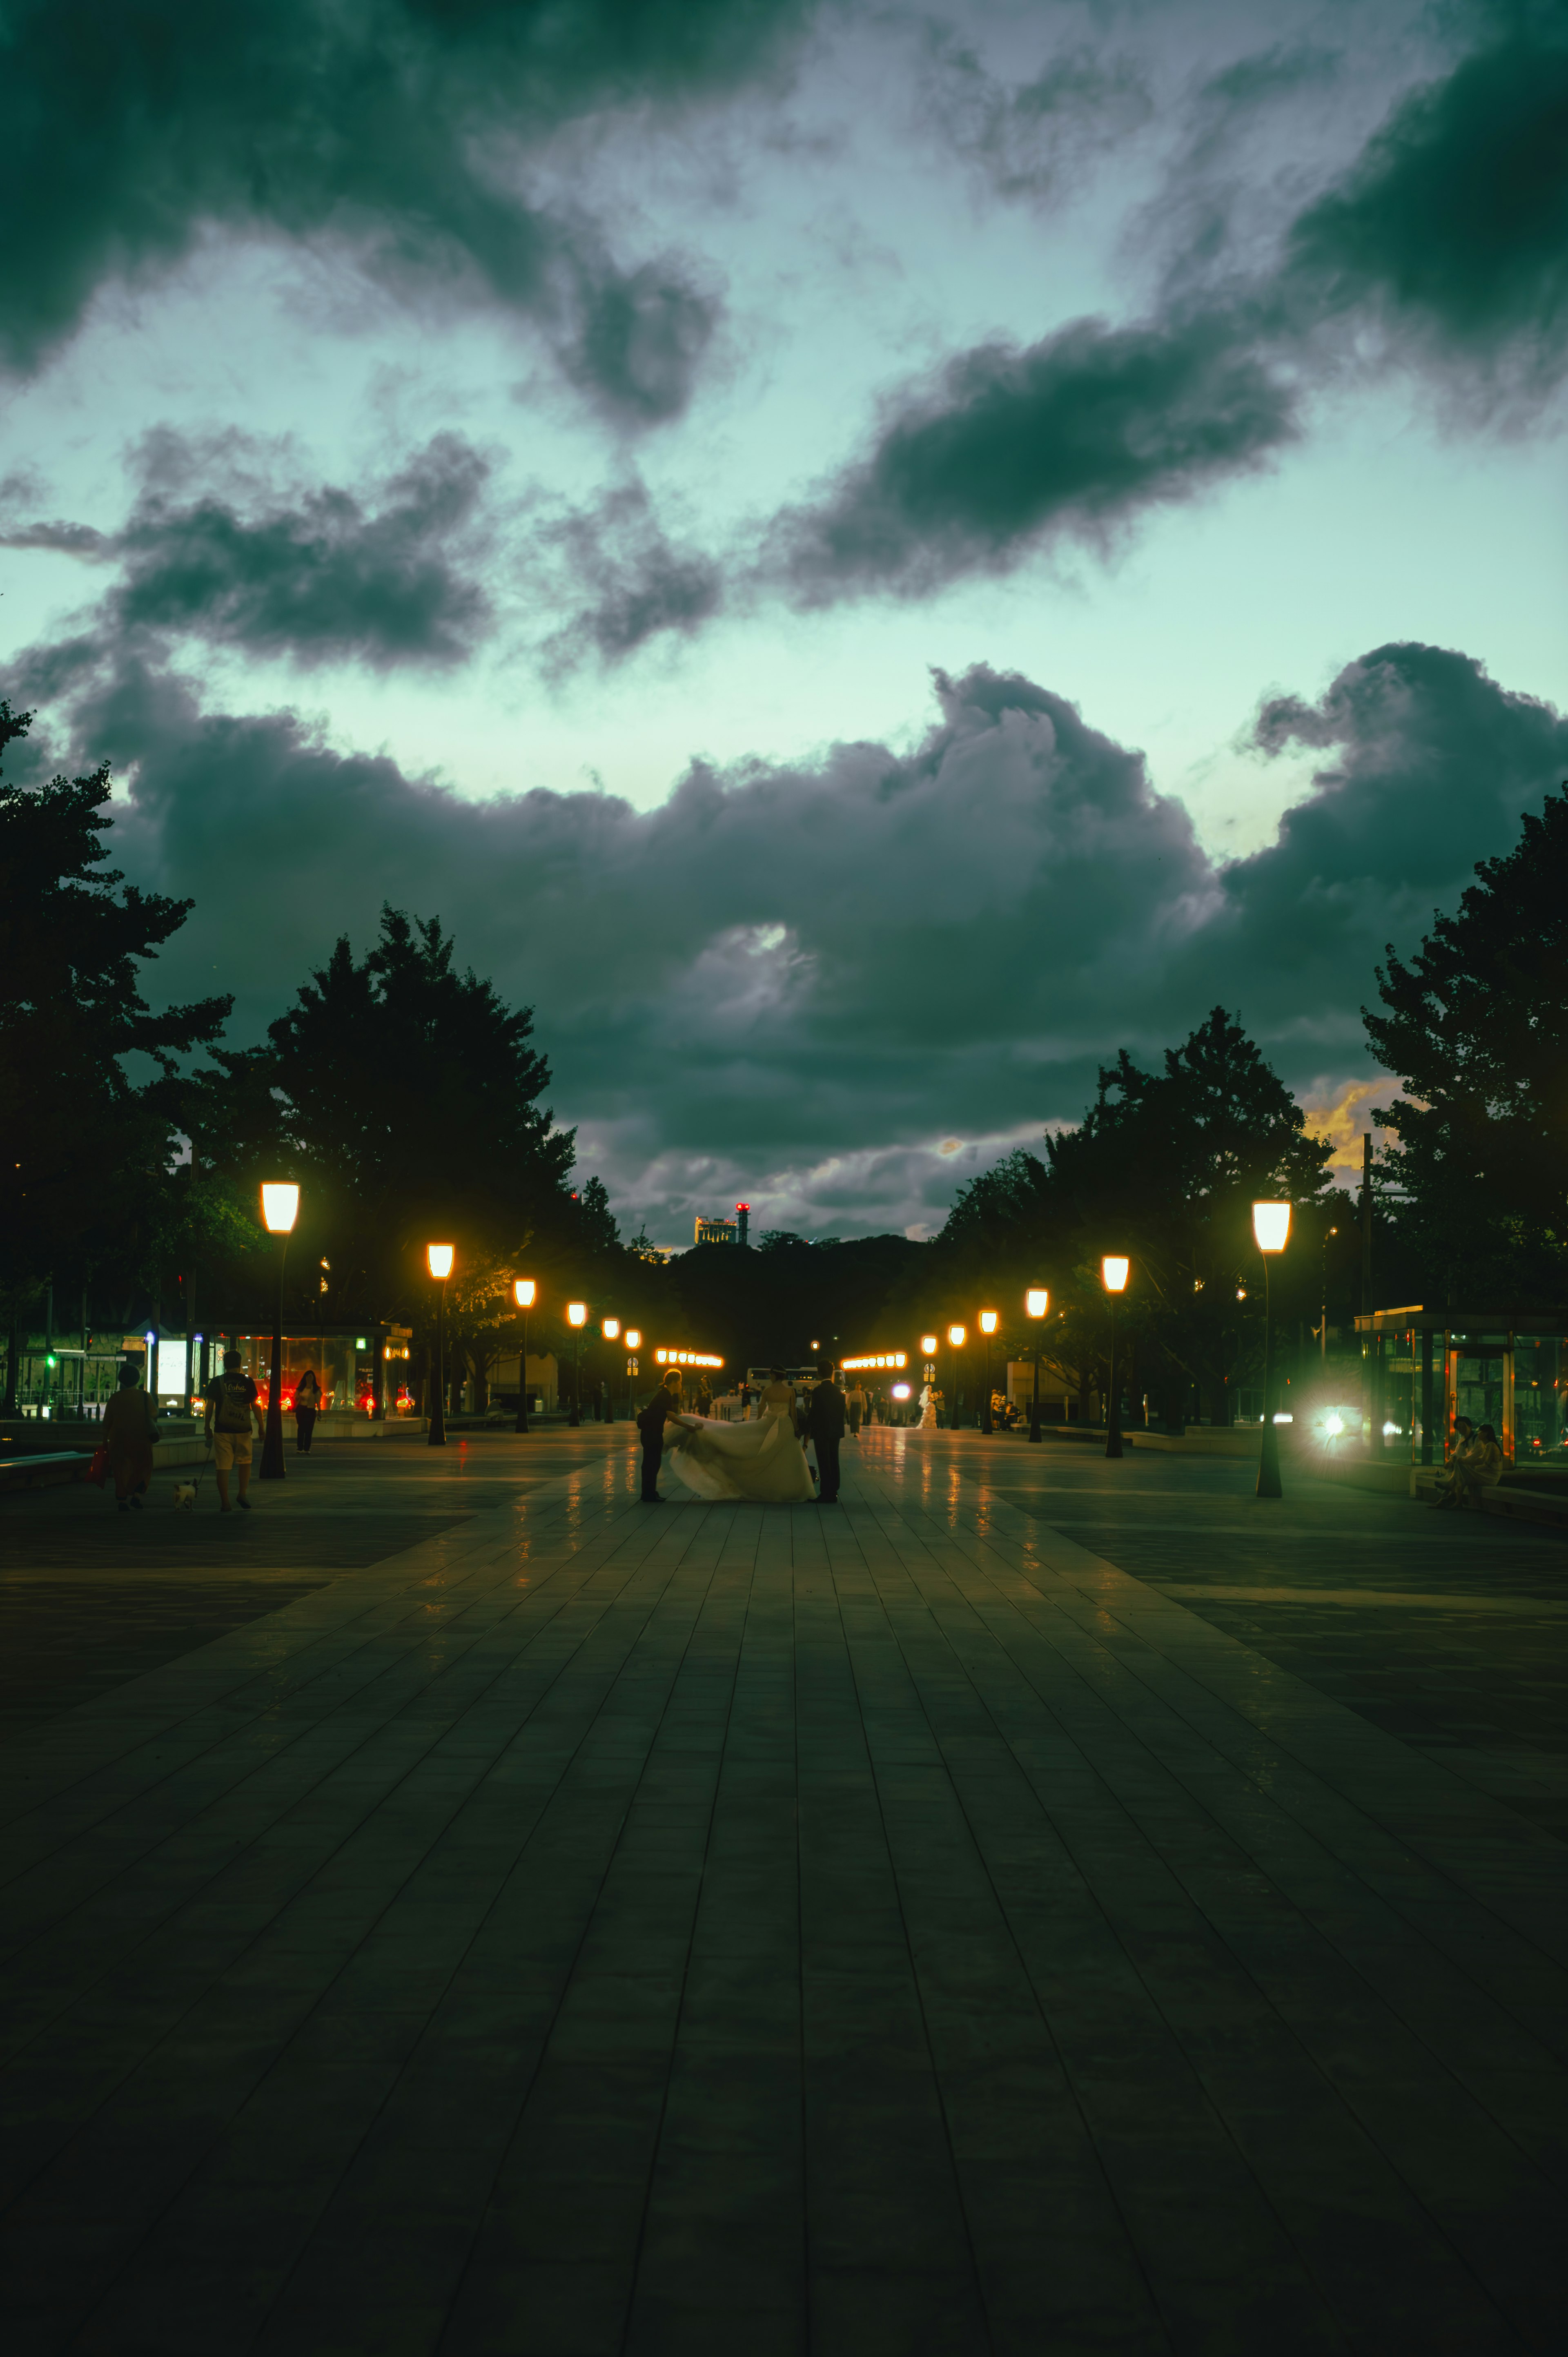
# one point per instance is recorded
(1453, 226)
(628, 581)
(321, 577)
(639, 340)
(1448, 236)
(393, 130)
(1072, 437)
(1431, 763)
(834, 969)
(1026, 138)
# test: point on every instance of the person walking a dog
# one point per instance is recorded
(231, 1406)
(129, 1429)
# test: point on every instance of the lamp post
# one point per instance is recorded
(1323, 1330)
(1114, 1269)
(988, 1328)
(1271, 1226)
(280, 1208)
(1036, 1301)
(576, 1317)
(957, 1337)
(611, 1330)
(523, 1291)
(633, 1344)
(440, 1258)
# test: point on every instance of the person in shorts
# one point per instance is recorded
(232, 1410)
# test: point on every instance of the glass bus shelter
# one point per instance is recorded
(1422, 1370)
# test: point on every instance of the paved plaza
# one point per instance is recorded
(1044, 1905)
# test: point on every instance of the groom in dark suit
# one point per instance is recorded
(665, 1403)
(825, 1424)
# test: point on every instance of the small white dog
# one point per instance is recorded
(183, 1496)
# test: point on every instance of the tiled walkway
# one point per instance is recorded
(737, 1930)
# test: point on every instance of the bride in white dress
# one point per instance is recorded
(763, 1462)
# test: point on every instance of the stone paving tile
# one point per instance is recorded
(747, 1930)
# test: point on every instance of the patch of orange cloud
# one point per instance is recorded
(1344, 1122)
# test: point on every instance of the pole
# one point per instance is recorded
(438, 1407)
(522, 1424)
(273, 1468)
(1426, 1458)
(1269, 1456)
(954, 1418)
(985, 1422)
(1323, 1330)
(1113, 1408)
(573, 1420)
(1367, 1224)
(1035, 1403)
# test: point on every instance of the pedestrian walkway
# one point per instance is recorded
(733, 1929)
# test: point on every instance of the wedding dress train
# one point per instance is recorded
(763, 1462)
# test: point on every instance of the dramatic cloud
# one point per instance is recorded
(624, 578)
(1433, 764)
(640, 342)
(1026, 138)
(1007, 450)
(396, 131)
(1449, 235)
(321, 577)
(867, 974)
(1452, 228)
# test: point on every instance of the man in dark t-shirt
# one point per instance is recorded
(231, 1408)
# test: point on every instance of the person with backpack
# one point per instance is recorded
(231, 1406)
(824, 1423)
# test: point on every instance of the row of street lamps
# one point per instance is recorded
(280, 1209)
(525, 1293)
(1270, 1228)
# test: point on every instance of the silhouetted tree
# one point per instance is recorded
(1477, 1029)
(87, 1179)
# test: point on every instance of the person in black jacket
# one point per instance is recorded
(825, 1424)
(665, 1403)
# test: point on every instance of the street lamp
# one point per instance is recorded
(988, 1328)
(957, 1336)
(280, 1208)
(1113, 1270)
(1036, 1301)
(523, 1292)
(611, 1332)
(576, 1317)
(1323, 1330)
(439, 1259)
(1271, 1226)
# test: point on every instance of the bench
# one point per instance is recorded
(35, 1466)
(1515, 1501)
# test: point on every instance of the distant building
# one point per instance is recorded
(716, 1231)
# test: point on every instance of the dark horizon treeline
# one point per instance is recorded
(407, 1099)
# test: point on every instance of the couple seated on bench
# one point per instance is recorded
(1476, 1465)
